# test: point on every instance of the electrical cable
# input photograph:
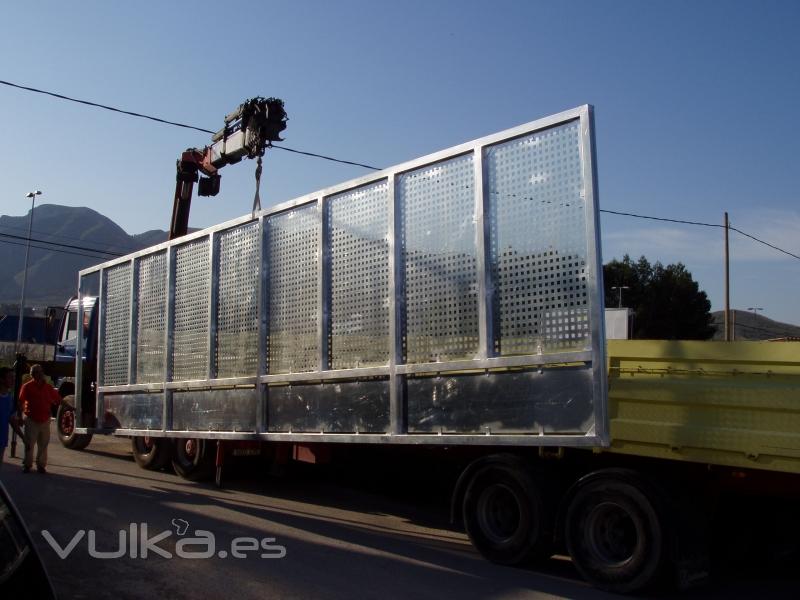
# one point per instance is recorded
(626, 214)
(133, 248)
(348, 162)
(38, 241)
(55, 250)
(167, 122)
(752, 237)
(339, 160)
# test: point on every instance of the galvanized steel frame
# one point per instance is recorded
(396, 370)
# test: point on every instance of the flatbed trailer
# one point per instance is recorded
(449, 306)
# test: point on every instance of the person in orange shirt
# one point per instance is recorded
(36, 397)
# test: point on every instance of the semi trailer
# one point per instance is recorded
(452, 303)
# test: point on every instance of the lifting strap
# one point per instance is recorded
(257, 198)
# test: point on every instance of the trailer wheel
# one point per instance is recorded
(614, 534)
(151, 453)
(193, 459)
(505, 514)
(65, 425)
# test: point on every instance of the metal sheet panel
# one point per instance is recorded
(116, 325)
(151, 318)
(133, 411)
(192, 296)
(440, 261)
(544, 401)
(293, 294)
(338, 407)
(214, 410)
(482, 257)
(239, 257)
(359, 255)
(538, 242)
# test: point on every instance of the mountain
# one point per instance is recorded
(53, 273)
(749, 326)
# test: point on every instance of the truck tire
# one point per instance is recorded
(151, 453)
(505, 514)
(614, 532)
(65, 425)
(193, 459)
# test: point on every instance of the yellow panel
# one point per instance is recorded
(727, 403)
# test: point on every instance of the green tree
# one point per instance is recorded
(667, 302)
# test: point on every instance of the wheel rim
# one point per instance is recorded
(146, 444)
(190, 448)
(67, 422)
(499, 513)
(612, 534)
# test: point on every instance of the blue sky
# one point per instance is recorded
(695, 103)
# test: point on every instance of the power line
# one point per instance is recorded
(175, 123)
(133, 247)
(54, 250)
(19, 237)
(752, 237)
(339, 160)
(626, 214)
(349, 162)
(103, 106)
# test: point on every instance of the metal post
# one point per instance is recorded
(323, 283)
(133, 329)
(486, 347)
(169, 340)
(727, 285)
(262, 389)
(213, 299)
(397, 406)
(32, 196)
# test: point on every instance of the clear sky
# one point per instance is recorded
(696, 108)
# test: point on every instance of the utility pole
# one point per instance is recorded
(32, 196)
(727, 285)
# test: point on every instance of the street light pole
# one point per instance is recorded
(755, 309)
(620, 288)
(32, 196)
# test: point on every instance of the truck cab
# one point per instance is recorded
(63, 369)
(68, 333)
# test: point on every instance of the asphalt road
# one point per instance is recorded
(341, 540)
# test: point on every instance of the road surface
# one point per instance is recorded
(340, 540)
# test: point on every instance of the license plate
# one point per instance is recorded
(246, 451)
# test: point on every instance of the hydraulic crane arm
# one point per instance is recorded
(248, 132)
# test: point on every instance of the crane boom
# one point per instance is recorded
(248, 132)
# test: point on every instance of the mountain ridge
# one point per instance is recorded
(53, 273)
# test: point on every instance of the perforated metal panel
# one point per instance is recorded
(116, 327)
(192, 295)
(293, 290)
(440, 261)
(238, 254)
(442, 296)
(538, 242)
(151, 318)
(358, 224)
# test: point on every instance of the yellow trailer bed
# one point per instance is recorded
(721, 403)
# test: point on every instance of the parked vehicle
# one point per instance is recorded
(22, 573)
